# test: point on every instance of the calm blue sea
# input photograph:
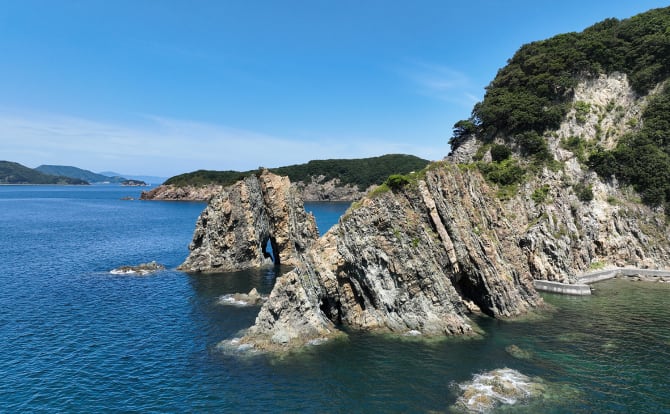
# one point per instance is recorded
(75, 338)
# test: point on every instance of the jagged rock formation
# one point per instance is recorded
(232, 233)
(417, 259)
(423, 257)
(563, 235)
(318, 189)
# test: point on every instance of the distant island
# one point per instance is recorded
(149, 179)
(74, 172)
(15, 173)
(134, 183)
(318, 180)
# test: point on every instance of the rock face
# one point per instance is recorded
(564, 235)
(234, 230)
(173, 193)
(423, 257)
(414, 260)
(332, 190)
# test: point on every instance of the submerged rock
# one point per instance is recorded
(491, 389)
(243, 299)
(517, 352)
(140, 269)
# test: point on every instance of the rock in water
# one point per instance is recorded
(234, 229)
(140, 269)
(404, 260)
(242, 299)
(498, 387)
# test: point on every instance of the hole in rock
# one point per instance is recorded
(270, 250)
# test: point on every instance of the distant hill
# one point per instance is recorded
(361, 172)
(74, 172)
(149, 179)
(15, 173)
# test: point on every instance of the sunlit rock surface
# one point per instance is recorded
(257, 221)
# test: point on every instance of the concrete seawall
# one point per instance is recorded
(564, 288)
(582, 288)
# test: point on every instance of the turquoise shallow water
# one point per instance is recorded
(74, 338)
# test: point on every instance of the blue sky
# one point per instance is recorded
(165, 87)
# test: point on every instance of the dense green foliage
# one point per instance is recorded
(584, 192)
(362, 172)
(642, 159)
(507, 172)
(15, 173)
(500, 152)
(74, 172)
(396, 181)
(531, 94)
(203, 177)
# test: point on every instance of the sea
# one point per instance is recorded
(75, 338)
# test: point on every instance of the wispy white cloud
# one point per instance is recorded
(443, 83)
(165, 146)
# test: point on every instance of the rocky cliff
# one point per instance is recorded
(564, 231)
(423, 257)
(236, 228)
(439, 245)
(320, 189)
(418, 260)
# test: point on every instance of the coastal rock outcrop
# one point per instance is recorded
(320, 189)
(316, 190)
(140, 269)
(170, 192)
(570, 221)
(259, 220)
(416, 259)
(420, 258)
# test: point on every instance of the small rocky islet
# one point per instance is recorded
(141, 269)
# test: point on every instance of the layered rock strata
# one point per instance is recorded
(563, 234)
(236, 228)
(318, 189)
(418, 259)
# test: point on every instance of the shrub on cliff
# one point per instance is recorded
(500, 152)
(397, 181)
